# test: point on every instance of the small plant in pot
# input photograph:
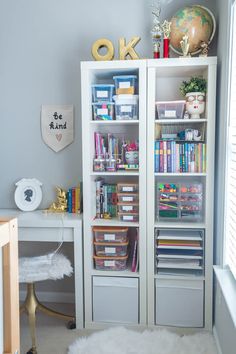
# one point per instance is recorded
(194, 91)
(131, 153)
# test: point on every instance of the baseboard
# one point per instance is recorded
(217, 340)
(44, 296)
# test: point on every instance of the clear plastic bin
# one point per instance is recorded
(128, 208)
(110, 234)
(170, 109)
(127, 187)
(132, 217)
(111, 248)
(128, 197)
(125, 84)
(102, 92)
(126, 107)
(103, 110)
(180, 201)
(110, 263)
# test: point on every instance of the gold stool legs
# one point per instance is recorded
(30, 305)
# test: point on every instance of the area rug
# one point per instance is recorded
(123, 341)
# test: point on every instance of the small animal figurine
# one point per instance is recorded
(204, 49)
(61, 204)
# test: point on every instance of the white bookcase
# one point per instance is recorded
(183, 299)
(95, 73)
(159, 299)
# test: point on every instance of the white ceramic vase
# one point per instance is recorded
(195, 104)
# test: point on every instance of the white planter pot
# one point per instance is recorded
(195, 104)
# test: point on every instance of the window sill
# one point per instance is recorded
(228, 287)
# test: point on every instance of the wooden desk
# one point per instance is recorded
(9, 249)
(47, 227)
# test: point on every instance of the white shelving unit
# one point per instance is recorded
(159, 80)
(103, 72)
(176, 293)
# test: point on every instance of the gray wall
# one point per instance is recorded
(41, 45)
(224, 326)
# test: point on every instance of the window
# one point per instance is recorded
(230, 221)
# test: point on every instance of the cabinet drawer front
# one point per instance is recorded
(45, 234)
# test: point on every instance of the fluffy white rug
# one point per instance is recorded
(122, 341)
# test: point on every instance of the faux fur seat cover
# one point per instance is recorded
(51, 266)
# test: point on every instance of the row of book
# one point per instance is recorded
(178, 156)
(74, 200)
(106, 199)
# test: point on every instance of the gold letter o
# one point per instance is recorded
(100, 43)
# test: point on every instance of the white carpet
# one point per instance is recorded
(122, 341)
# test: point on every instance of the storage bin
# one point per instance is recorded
(110, 263)
(128, 197)
(170, 109)
(125, 84)
(127, 187)
(111, 249)
(128, 208)
(102, 92)
(110, 234)
(179, 303)
(180, 201)
(103, 110)
(134, 217)
(126, 107)
(116, 300)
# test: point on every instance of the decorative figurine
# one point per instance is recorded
(186, 115)
(156, 30)
(185, 46)
(204, 49)
(166, 32)
(61, 204)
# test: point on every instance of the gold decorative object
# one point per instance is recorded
(166, 28)
(103, 43)
(185, 46)
(204, 49)
(128, 49)
(61, 204)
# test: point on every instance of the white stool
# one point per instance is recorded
(33, 269)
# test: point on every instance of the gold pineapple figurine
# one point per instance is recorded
(61, 203)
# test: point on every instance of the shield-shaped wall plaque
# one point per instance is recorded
(57, 126)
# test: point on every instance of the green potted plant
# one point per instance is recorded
(194, 91)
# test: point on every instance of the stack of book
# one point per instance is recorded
(173, 156)
(74, 199)
(106, 199)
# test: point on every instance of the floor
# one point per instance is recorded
(52, 335)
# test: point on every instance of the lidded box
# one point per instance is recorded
(118, 249)
(102, 92)
(103, 110)
(110, 262)
(125, 84)
(170, 109)
(126, 107)
(110, 234)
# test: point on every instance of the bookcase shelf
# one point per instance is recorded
(158, 80)
(168, 279)
(102, 73)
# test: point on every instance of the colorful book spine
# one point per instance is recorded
(161, 168)
(165, 156)
(168, 143)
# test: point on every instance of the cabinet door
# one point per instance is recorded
(179, 303)
(115, 299)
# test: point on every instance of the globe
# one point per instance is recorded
(197, 22)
